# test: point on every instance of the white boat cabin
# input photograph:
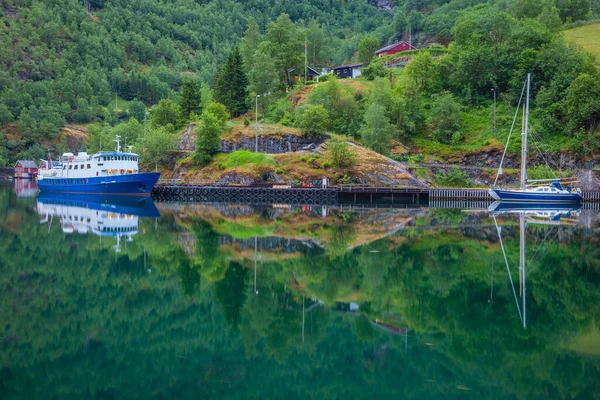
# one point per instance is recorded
(100, 164)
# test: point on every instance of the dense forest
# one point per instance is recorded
(108, 62)
(187, 321)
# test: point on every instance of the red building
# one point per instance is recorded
(26, 169)
(397, 47)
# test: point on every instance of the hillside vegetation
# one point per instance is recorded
(587, 37)
(111, 65)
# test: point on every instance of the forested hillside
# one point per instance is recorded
(108, 62)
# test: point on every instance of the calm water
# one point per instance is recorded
(199, 301)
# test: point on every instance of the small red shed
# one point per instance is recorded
(397, 47)
(25, 169)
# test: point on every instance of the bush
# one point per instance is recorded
(326, 165)
(313, 121)
(288, 119)
(373, 71)
(453, 178)
(341, 154)
(246, 122)
(326, 77)
(278, 171)
(445, 119)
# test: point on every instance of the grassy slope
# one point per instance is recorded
(587, 37)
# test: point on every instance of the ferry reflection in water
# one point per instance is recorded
(101, 215)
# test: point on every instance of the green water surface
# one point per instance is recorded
(234, 301)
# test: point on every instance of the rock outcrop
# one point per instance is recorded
(271, 144)
(384, 5)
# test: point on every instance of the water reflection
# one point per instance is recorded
(100, 215)
(547, 214)
(286, 302)
(26, 187)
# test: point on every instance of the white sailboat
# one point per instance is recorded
(550, 191)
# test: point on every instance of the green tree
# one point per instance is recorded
(232, 83)
(84, 113)
(189, 100)
(130, 131)
(263, 76)
(582, 103)
(165, 114)
(5, 115)
(313, 121)
(286, 45)
(341, 154)
(250, 42)
(136, 109)
(208, 140)
(446, 120)
(218, 110)
(157, 146)
(206, 96)
(376, 130)
(316, 43)
(424, 72)
(366, 49)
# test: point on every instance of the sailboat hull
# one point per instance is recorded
(524, 196)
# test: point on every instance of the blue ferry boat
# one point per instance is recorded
(113, 173)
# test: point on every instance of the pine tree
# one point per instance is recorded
(231, 88)
(189, 100)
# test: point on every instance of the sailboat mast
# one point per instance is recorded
(524, 139)
(522, 266)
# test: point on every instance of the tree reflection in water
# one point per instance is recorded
(79, 324)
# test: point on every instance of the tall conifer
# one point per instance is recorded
(231, 87)
(189, 101)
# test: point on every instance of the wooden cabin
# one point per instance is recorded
(26, 169)
(397, 47)
(348, 70)
(298, 73)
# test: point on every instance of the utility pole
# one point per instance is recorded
(305, 61)
(494, 90)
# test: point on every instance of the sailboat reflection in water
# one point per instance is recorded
(99, 215)
(546, 214)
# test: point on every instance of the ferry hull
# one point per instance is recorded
(124, 185)
(518, 196)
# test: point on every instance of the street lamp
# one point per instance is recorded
(256, 116)
(494, 90)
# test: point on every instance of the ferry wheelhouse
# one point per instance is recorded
(114, 173)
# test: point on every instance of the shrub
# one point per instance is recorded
(313, 121)
(278, 171)
(288, 119)
(326, 165)
(341, 154)
(453, 178)
(373, 71)
(445, 118)
(246, 122)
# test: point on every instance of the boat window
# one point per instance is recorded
(89, 166)
(70, 166)
(75, 167)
